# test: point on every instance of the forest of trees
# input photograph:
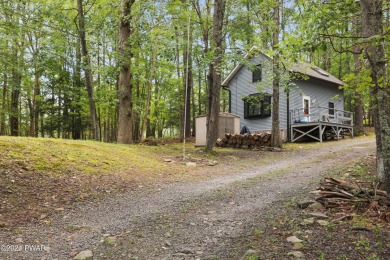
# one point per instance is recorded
(117, 71)
(75, 69)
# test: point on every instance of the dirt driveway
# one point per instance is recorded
(196, 220)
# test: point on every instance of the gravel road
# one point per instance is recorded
(196, 220)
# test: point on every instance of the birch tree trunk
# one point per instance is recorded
(125, 116)
(88, 73)
(372, 15)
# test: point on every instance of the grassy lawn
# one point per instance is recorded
(41, 176)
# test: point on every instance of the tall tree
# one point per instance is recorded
(276, 140)
(4, 104)
(16, 19)
(214, 77)
(150, 85)
(88, 72)
(372, 31)
(358, 102)
(125, 117)
(187, 79)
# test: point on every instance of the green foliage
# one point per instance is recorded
(39, 38)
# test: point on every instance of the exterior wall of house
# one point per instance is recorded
(241, 86)
(319, 91)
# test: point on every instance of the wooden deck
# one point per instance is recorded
(322, 123)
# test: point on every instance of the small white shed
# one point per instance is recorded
(228, 123)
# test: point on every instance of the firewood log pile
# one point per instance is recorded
(245, 141)
(337, 193)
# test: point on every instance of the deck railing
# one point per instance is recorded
(321, 114)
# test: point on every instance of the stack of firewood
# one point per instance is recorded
(335, 193)
(245, 141)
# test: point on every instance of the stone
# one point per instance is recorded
(47, 249)
(190, 164)
(187, 251)
(110, 239)
(307, 221)
(318, 215)
(167, 160)
(86, 254)
(59, 209)
(19, 240)
(43, 216)
(304, 204)
(297, 233)
(297, 246)
(323, 222)
(294, 239)
(316, 205)
(297, 254)
(168, 243)
(250, 253)
(2, 224)
(212, 163)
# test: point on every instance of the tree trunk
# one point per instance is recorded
(76, 117)
(150, 84)
(358, 107)
(15, 92)
(34, 113)
(275, 138)
(136, 113)
(372, 15)
(188, 85)
(88, 73)
(214, 77)
(125, 117)
(187, 80)
(4, 104)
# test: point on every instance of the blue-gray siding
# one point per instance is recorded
(241, 86)
(319, 91)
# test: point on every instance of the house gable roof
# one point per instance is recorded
(301, 67)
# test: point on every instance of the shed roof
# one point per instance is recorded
(305, 68)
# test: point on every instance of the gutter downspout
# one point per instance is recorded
(288, 116)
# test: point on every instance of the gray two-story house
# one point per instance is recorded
(311, 101)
